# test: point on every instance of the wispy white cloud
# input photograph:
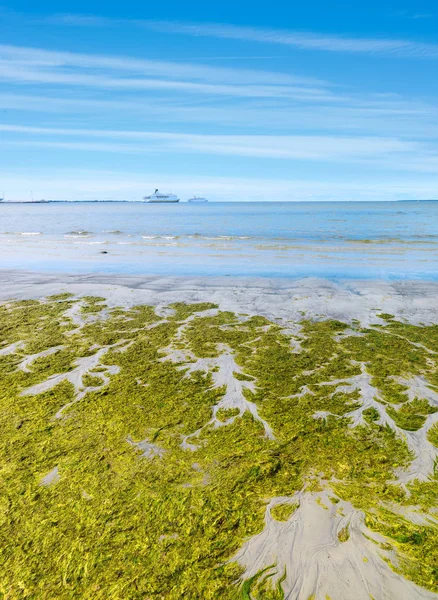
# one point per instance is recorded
(295, 39)
(310, 147)
(370, 115)
(32, 65)
(16, 74)
(37, 57)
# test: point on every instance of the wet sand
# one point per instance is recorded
(277, 298)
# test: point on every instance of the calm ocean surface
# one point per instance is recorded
(386, 240)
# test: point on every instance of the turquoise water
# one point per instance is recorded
(388, 240)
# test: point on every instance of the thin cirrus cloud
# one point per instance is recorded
(375, 114)
(16, 74)
(48, 58)
(22, 65)
(384, 119)
(172, 92)
(33, 65)
(294, 39)
(316, 148)
(358, 106)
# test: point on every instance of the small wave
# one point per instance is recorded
(159, 237)
(113, 231)
(79, 232)
(225, 238)
(29, 233)
(393, 240)
(92, 243)
(198, 236)
(76, 236)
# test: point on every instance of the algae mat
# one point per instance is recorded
(188, 452)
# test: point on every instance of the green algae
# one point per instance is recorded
(92, 304)
(344, 534)
(63, 296)
(385, 316)
(415, 544)
(432, 435)
(182, 310)
(91, 380)
(223, 414)
(371, 414)
(243, 377)
(282, 512)
(412, 415)
(125, 523)
(259, 587)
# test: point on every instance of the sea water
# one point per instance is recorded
(385, 240)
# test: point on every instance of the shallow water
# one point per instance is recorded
(332, 239)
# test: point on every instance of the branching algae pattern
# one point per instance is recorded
(176, 453)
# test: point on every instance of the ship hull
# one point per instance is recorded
(161, 201)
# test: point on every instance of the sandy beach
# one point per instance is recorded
(297, 419)
(276, 298)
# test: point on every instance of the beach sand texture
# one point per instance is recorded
(220, 438)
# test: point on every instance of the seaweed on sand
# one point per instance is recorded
(135, 513)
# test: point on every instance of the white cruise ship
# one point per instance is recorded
(160, 197)
(197, 199)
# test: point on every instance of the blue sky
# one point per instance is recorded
(237, 101)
